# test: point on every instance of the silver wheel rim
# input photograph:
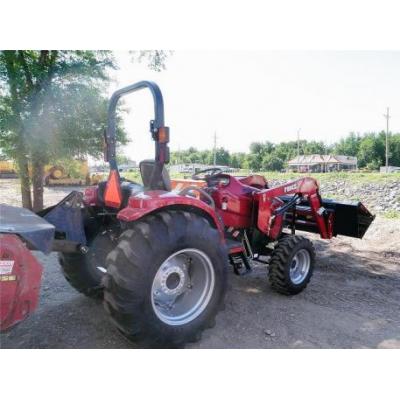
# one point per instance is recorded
(300, 266)
(183, 286)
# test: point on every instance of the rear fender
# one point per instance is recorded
(151, 202)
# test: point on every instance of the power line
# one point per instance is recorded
(298, 142)
(387, 116)
(215, 148)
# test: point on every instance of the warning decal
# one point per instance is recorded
(6, 267)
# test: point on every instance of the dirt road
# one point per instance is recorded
(353, 301)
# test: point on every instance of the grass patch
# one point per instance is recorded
(132, 176)
(391, 214)
(136, 177)
(348, 177)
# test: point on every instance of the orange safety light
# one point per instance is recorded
(163, 134)
(113, 195)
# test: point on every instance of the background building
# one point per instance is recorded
(322, 163)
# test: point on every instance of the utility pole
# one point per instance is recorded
(298, 142)
(215, 148)
(387, 116)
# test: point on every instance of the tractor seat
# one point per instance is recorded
(256, 181)
(146, 168)
(128, 189)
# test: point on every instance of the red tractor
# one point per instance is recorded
(159, 257)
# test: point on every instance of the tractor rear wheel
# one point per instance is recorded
(166, 279)
(291, 265)
(84, 272)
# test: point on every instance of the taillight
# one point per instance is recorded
(90, 196)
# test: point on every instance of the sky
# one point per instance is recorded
(247, 96)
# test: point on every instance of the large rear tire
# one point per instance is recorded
(85, 272)
(291, 265)
(166, 279)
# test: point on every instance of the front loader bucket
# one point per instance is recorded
(349, 218)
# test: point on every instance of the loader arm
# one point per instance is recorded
(271, 209)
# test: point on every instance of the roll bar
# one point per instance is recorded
(160, 133)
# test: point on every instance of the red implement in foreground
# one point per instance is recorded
(157, 252)
(20, 278)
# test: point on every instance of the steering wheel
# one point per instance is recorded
(203, 175)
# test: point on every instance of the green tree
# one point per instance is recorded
(222, 156)
(238, 160)
(52, 104)
(348, 146)
(314, 147)
(271, 162)
(286, 150)
(206, 157)
(155, 59)
(371, 151)
(394, 149)
(258, 150)
(254, 162)
(369, 148)
(261, 147)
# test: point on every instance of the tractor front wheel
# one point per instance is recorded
(291, 265)
(166, 279)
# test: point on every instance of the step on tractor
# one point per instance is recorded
(158, 252)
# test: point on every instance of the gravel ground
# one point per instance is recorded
(353, 301)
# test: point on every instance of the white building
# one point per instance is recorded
(322, 163)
